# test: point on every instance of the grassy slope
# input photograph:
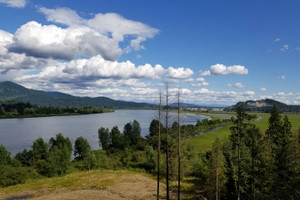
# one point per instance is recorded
(95, 184)
(203, 143)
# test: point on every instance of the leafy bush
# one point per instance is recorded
(12, 175)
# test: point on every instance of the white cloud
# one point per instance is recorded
(277, 40)
(50, 41)
(284, 47)
(10, 60)
(220, 69)
(202, 84)
(236, 85)
(263, 89)
(100, 35)
(179, 73)
(200, 79)
(283, 77)
(14, 3)
(64, 16)
(98, 68)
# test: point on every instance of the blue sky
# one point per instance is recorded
(212, 51)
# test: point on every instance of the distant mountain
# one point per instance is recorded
(265, 105)
(13, 91)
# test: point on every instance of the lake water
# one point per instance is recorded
(17, 134)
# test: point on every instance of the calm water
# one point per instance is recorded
(17, 134)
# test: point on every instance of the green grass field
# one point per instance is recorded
(203, 143)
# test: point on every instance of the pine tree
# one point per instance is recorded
(216, 179)
(280, 136)
(255, 143)
(238, 157)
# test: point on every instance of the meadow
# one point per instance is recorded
(203, 143)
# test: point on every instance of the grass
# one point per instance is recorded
(72, 181)
(203, 143)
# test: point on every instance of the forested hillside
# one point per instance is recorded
(13, 91)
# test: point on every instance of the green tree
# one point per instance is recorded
(82, 148)
(2, 111)
(60, 141)
(128, 134)
(237, 156)
(255, 142)
(216, 179)
(4, 156)
(132, 132)
(136, 132)
(40, 149)
(117, 140)
(59, 157)
(104, 138)
(279, 133)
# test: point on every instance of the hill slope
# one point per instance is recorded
(265, 105)
(13, 91)
(93, 184)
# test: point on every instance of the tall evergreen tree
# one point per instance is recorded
(255, 142)
(279, 133)
(237, 156)
(216, 179)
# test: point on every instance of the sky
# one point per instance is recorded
(211, 51)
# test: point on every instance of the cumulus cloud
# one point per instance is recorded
(50, 41)
(284, 47)
(288, 98)
(200, 84)
(236, 85)
(179, 73)
(10, 60)
(220, 69)
(277, 40)
(14, 3)
(102, 73)
(95, 68)
(100, 35)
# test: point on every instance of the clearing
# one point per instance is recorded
(94, 184)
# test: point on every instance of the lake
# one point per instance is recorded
(17, 134)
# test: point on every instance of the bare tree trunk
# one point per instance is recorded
(178, 129)
(217, 179)
(158, 145)
(167, 138)
(239, 160)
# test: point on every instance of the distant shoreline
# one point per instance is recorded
(51, 115)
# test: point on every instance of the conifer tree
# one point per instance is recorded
(216, 179)
(280, 136)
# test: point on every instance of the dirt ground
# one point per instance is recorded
(133, 186)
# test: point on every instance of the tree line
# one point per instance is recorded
(10, 109)
(253, 165)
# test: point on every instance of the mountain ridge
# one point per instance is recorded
(13, 91)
